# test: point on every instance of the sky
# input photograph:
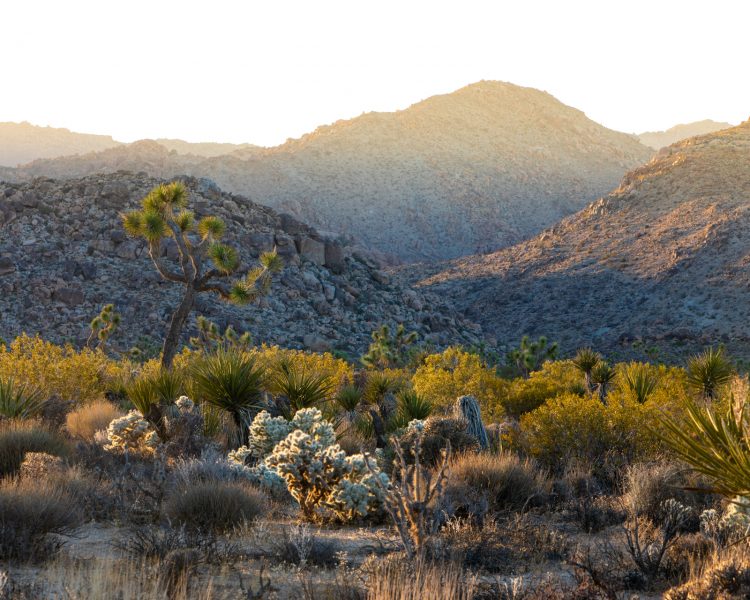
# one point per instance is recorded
(262, 72)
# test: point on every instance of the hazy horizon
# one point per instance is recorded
(261, 74)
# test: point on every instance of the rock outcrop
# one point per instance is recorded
(63, 255)
(660, 139)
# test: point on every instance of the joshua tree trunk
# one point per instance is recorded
(177, 324)
(467, 408)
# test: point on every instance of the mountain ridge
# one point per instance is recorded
(471, 171)
(660, 260)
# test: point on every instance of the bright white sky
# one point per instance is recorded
(260, 72)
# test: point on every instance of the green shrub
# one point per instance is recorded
(19, 437)
(446, 376)
(29, 510)
(215, 506)
(573, 429)
(553, 379)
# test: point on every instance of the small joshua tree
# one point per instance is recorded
(389, 349)
(103, 326)
(164, 214)
(530, 355)
(709, 371)
(210, 339)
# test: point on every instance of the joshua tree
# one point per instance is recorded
(103, 326)
(585, 361)
(530, 355)
(708, 371)
(389, 349)
(164, 214)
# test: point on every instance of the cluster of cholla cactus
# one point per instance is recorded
(132, 434)
(135, 435)
(729, 527)
(302, 454)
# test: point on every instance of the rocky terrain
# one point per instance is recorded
(659, 139)
(22, 142)
(63, 255)
(468, 172)
(662, 259)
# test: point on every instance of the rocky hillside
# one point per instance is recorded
(660, 139)
(22, 142)
(63, 255)
(471, 171)
(663, 258)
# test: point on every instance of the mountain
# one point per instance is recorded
(63, 255)
(663, 259)
(23, 142)
(471, 171)
(659, 139)
(207, 149)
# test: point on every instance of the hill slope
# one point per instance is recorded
(23, 142)
(63, 255)
(664, 258)
(466, 172)
(660, 139)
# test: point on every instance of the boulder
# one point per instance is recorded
(72, 296)
(334, 258)
(312, 250)
(6, 265)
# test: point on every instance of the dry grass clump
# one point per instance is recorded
(402, 580)
(85, 421)
(29, 510)
(215, 506)
(19, 437)
(723, 578)
(503, 480)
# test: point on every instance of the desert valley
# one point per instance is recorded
(481, 346)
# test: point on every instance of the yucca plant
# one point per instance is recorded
(585, 361)
(602, 376)
(151, 394)
(296, 388)
(348, 404)
(19, 401)
(639, 381)
(412, 406)
(708, 371)
(378, 386)
(714, 442)
(230, 381)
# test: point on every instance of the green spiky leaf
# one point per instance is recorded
(185, 220)
(271, 261)
(224, 257)
(132, 221)
(212, 227)
(154, 227)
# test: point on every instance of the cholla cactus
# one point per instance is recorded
(131, 433)
(302, 455)
(731, 526)
(184, 404)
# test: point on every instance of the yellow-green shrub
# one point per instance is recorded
(553, 379)
(446, 376)
(337, 370)
(572, 429)
(77, 376)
